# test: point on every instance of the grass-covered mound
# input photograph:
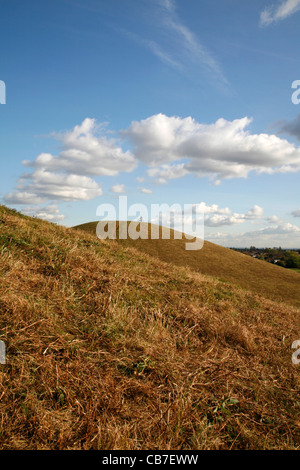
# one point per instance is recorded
(108, 348)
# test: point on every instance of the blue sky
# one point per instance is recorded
(165, 101)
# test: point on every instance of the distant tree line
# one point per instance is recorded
(290, 259)
(286, 258)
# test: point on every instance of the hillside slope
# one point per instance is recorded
(258, 276)
(109, 348)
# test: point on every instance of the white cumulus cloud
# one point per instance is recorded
(84, 152)
(284, 234)
(256, 212)
(118, 188)
(165, 172)
(51, 212)
(43, 185)
(213, 215)
(174, 146)
(146, 190)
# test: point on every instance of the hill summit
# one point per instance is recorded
(260, 277)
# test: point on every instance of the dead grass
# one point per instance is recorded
(271, 281)
(108, 348)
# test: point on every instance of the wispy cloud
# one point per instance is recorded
(168, 4)
(273, 14)
(197, 52)
(174, 44)
(153, 46)
(157, 50)
(163, 33)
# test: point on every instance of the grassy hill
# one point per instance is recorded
(258, 276)
(110, 348)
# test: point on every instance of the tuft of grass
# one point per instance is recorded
(111, 348)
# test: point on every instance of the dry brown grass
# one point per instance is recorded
(108, 348)
(269, 280)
